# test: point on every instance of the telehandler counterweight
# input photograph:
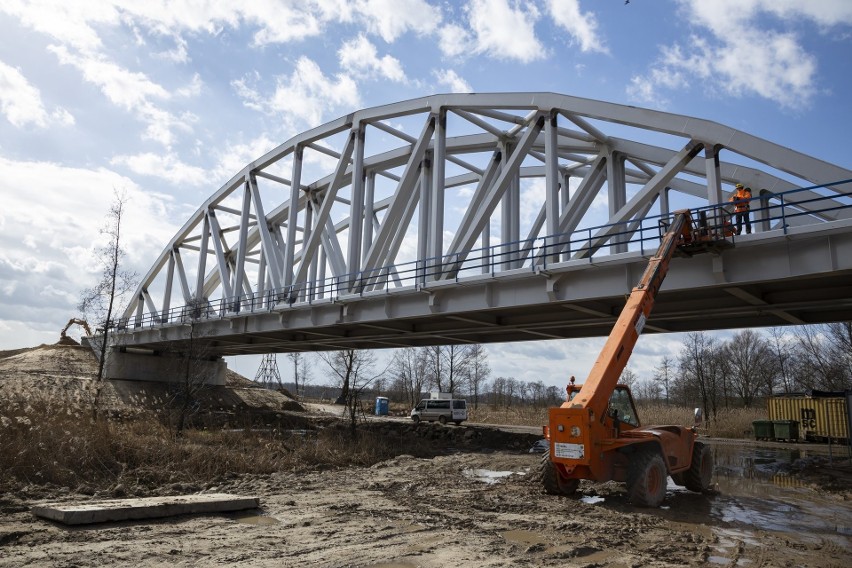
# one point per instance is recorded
(596, 433)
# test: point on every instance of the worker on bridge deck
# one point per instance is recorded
(742, 204)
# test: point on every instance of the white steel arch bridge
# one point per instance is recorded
(493, 217)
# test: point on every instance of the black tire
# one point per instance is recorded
(416, 419)
(700, 472)
(442, 419)
(458, 422)
(646, 478)
(551, 480)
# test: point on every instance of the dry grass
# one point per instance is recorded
(43, 445)
(517, 415)
(728, 423)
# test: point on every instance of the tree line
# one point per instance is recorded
(707, 371)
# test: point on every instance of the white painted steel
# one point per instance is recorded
(358, 183)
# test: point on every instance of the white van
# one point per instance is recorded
(442, 410)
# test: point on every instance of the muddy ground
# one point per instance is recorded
(474, 503)
(470, 507)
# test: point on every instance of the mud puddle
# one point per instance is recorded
(756, 489)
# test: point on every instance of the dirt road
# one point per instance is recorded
(463, 509)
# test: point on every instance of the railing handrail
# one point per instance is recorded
(524, 253)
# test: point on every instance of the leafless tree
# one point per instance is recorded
(301, 370)
(628, 378)
(819, 364)
(663, 375)
(702, 367)
(194, 372)
(356, 370)
(751, 366)
(781, 347)
(448, 366)
(478, 370)
(410, 368)
(100, 303)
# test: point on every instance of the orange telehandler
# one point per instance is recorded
(596, 433)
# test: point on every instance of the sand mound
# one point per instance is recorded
(64, 374)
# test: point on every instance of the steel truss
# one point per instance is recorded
(423, 192)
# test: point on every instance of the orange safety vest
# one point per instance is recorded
(741, 200)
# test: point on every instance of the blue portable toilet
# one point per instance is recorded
(381, 406)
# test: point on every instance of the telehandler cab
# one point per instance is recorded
(596, 433)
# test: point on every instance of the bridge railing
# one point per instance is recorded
(769, 211)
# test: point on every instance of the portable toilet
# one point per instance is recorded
(381, 406)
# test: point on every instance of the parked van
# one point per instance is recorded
(442, 410)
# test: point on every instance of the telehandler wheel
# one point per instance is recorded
(646, 479)
(552, 480)
(698, 476)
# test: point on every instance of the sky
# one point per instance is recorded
(165, 100)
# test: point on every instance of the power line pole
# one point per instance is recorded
(267, 374)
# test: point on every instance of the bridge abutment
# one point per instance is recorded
(164, 367)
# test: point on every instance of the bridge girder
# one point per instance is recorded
(360, 206)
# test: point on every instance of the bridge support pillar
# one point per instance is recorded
(163, 367)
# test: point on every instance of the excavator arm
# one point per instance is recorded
(584, 437)
(596, 391)
(81, 322)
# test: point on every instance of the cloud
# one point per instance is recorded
(452, 80)
(21, 104)
(42, 281)
(505, 31)
(454, 40)
(303, 99)
(361, 55)
(743, 48)
(582, 26)
(167, 167)
(389, 19)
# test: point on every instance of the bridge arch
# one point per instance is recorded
(440, 218)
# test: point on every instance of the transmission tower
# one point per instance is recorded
(267, 373)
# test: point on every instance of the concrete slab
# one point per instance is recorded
(147, 508)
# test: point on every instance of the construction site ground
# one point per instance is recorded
(475, 503)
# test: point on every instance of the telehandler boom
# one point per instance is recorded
(596, 433)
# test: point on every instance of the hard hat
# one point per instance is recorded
(739, 185)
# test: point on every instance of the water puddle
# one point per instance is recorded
(756, 490)
(592, 499)
(254, 519)
(489, 476)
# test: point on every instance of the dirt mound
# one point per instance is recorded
(65, 374)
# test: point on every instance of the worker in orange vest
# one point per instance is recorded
(742, 203)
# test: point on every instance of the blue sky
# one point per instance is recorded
(166, 100)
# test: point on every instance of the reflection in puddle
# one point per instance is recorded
(755, 490)
(489, 476)
(592, 499)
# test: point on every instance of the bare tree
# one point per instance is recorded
(193, 359)
(410, 367)
(478, 370)
(101, 302)
(628, 378)
(300, 370)
(702, 366)
(355, 368)
(819, 364)
(751, 365)
(448, 366)
(663, 375)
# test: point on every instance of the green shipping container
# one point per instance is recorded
(786, 430)
(763, 430)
